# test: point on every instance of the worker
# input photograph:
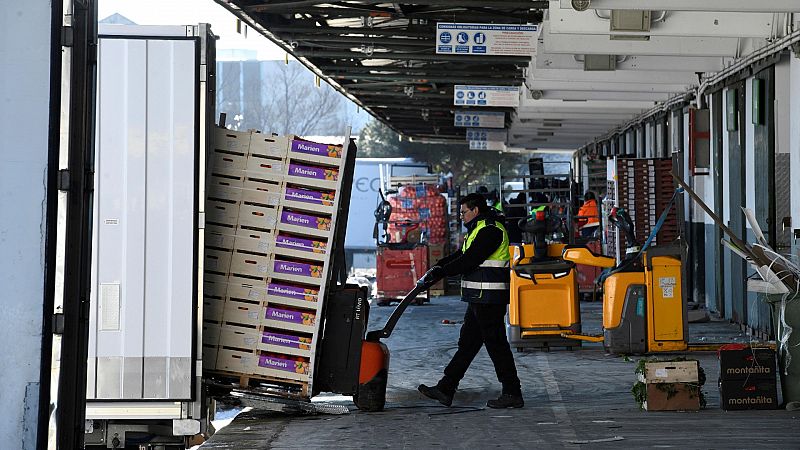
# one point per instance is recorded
(483, 262)
(492, 199)
(588, 216)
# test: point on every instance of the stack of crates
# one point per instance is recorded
(271, 209)
(644, 189)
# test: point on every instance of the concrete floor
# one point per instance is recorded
(573, 399)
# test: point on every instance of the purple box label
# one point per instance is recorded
(299, 293)
(309, 196)
(300, 244)
(294, 268)
(313, 148)
(286, 340)
(319, 173)
(287, 365)
(287, 315)
(305, 220)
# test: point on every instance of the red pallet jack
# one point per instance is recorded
(374, 370)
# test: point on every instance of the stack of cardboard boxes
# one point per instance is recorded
(747, 378)
(271, 207)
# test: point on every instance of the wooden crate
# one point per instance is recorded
(670, 372)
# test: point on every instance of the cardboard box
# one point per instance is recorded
(672, 397)
(232, 141)
(300, 271)
(218, 261)
(670, 372)
(752, 363)
(210, 357)
(223, 213)
(307, 221)
(265, 168)
(249, 264)
(261, 217)
(269, 145)
(740, 394)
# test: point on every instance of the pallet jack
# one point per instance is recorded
(643, 306)
(544, 303)
(374, 370)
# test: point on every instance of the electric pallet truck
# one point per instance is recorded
(643, 306)
(374, 371)
(544, 303)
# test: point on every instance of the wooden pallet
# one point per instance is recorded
(254, 380)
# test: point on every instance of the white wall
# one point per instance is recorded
(794, 136)
(24, 121)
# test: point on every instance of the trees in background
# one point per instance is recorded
(467, 166)
(281, 98)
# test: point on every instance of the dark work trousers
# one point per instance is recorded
(483, 325)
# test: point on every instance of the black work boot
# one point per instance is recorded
(507, 401)
(437, 393)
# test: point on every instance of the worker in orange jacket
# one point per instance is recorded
(588, 215)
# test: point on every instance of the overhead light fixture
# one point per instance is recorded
(580, 5)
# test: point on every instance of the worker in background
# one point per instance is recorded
(483, 262)
(492, 199)
(588, 215)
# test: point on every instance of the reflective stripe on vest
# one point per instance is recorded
(490, 281)
(484, 286)
(495, 263)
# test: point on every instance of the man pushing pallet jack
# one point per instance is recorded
(483, 262)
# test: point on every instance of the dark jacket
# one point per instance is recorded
(462, 263)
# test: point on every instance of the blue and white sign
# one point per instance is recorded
(486, 39)
(485, 134)
(480, 119)
(465, 95)
(487, 145)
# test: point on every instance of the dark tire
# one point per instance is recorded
(419, 301)
(371, 396)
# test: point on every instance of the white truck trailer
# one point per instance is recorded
(155, 102)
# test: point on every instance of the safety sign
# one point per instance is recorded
(486, 95)
(487, 145)
(485, 39)
(485, 134)
(480, 119)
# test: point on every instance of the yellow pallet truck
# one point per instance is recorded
(544, 302)
(544, 299)
(643, 306)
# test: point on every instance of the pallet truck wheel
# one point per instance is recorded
(371, 396)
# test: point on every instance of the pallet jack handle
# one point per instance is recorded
(422, 285)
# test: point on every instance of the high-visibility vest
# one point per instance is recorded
(490, 282)
(498, 205)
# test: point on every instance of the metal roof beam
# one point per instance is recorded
(426, 79)
(414, 57)
(773, 6)
(306, 26)
(500, 4)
